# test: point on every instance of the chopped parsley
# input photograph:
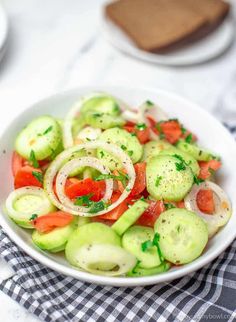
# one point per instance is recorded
(130, 153)
(33, 159)
(38, 175)
(33, 217)
(102, 154)
(183, 130)
(197, 180)
(122, 177)
(169, 205)
(123, 147)
(49, 129)
(88, 139)
(87, 202)
(142, 198)
(97, 206)
(141, 126)
(133, 134)
(145, 246)
(158, 180)
(84, 200)
(97, 114)
(149, 103)
(189, 138)
(181, 165)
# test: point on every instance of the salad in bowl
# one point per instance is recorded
(118, 191)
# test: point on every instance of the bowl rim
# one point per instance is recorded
(38, 254)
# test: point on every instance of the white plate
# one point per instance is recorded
(210, 132)
(3, 31)
(200, 51)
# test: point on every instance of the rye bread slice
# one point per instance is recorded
(214, 10)
(156, 25)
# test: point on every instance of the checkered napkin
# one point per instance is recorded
(208, 294)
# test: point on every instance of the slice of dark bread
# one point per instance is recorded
(164, 25)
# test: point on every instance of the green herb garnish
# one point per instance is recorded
(145, 246)
(38, 175)
(189, 138)
(141, 126)
(33, 159)
(169, 205)
(49, 129)
(149, 103)
(123, 147)
(130, 153)
(183, 130)
(102, 154)
(33, 217)
(84, 200)
(181, 165)
(122, 177)
(197, 180)
(93, 205)
(97, 206)
(158, 180)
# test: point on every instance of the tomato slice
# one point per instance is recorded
(76, 188)
(24, 177)
(47, 223)
(205, 201)
(118, 211)
(142, 135)
(206, 167)
(180, 204)
(172, 130)
(140, 180)
(17, 162)
(150, 216)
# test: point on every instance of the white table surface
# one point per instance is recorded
(57, 44)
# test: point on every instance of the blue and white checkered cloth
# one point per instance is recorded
(206, 295)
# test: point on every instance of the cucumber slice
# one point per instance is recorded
(195, 151)
(102, 120)
(153, 148)
(22, 203)
(89, 257)
(54, 241)
(139, 271)
(190, 161)
(42, 135)
(132, 241)
(101, 104)
(92, 233)
(123, 139)
(101, 112)
(166, 180)
(183, 235)
(129, 217)
(82, 221)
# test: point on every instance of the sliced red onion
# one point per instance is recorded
(223, 208)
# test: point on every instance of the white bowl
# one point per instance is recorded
(210, 133)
